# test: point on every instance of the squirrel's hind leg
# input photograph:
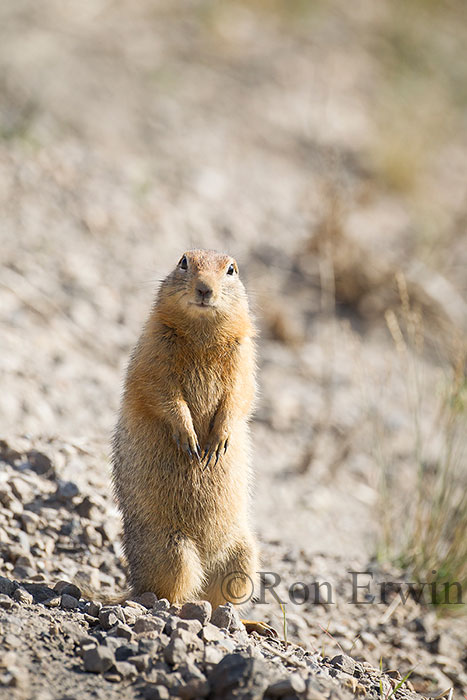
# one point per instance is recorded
(233, 575)
(168, 565)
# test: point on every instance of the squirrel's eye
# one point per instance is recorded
(183, 264)
(231, 269)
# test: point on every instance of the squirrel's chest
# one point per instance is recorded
(203, 388)
(204, 380)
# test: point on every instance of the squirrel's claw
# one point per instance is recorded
(189, 444)
(217, 449)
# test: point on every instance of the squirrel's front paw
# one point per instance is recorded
(187, 440)
(217, 445)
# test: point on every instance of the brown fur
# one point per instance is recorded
(190, 381)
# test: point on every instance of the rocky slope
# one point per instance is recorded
(61, 560)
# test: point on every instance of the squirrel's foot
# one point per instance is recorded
(187, 441)
(216, 447)
(261, 628)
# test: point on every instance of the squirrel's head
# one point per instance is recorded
(205, 284)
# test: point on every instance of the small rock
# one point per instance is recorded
(110, 530)
(211, 633)
(195, 688)
(8, 454)
(88, 509)
(134, 607)
(22, 490)
(130, 616)
(53, 601)
(190, 640)
(98, 660)
(113, 643)
(149, 624)
(155, 692)
(41, 593)
(293, 684)
(68, 602)
(147, 600)
(192, 626)
(108, 618)
(5, 602)
(91, 536)
(93, 608)
(125, 669)
(66, 491)
(200, 610)
(226, 617)
(161, 605)
(67, 587)
(6, 586)
(123, 631)
(141, 661)
(30, 521)
(237, 671)
(148, 646)
(40, 463)
(124, 652)
(212, 655)
(22, 596)
(344, 663)
(175, 652)
(86, 643)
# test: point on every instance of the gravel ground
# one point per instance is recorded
(61, 556)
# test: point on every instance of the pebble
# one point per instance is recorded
(22, 490)
(40, 463)
(155, 692)
(212, 655)
(141, 661)
(7, 586)
(147, 600)
(108, 618)
(226, 617)
(195, 688)
(92, 608)
(122, 653)
(98, 660)
(193, 626)
(239, 670)
(5, 602)
(30, 521)
(189, 639)
(66, 491)
(22, 596)
(344, 663)
(175, 652)
(68, 602)
(211, 633)
(125, 669)
(201, 611)
(292, 685)
(69, 588)
(149, 624)
(122, 630)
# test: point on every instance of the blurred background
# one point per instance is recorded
(324, 145)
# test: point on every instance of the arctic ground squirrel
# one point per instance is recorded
(181, 447)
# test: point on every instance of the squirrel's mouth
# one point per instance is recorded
(202, 304)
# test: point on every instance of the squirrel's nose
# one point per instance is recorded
(203, 291)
